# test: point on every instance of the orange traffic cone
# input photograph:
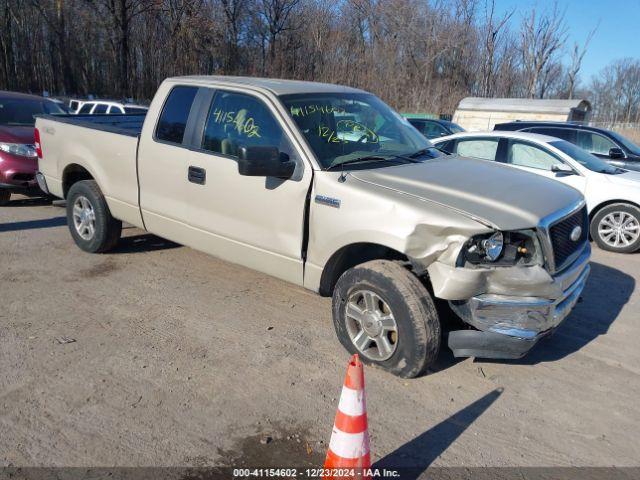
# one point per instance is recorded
(349, 445)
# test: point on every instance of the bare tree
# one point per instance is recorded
(492, 31)
(577, 55)
(542, 38)
(119, 15)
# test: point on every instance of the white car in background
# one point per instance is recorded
(94, 107)
(612, 194)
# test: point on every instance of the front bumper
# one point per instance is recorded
(509, 326)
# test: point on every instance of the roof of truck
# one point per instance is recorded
(275, 85)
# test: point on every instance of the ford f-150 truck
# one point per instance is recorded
(326, 187)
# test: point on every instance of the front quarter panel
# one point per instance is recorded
(421, 230)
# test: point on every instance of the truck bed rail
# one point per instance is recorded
(129, 124)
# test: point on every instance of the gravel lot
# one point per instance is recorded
(182, 359)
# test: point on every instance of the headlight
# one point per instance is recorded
(19, 149)
(492, 246)
(501, 248)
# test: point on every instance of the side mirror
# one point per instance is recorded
(616, 152)
(562, 168)
(264, 162)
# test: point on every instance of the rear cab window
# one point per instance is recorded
(175, 113)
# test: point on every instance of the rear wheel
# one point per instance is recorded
(89, 219)
(385, 314)
(5, 196)
(616, 228)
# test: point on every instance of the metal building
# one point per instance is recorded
(475, 114)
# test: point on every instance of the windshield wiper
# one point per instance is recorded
(367, 158)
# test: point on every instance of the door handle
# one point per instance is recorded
(197, 175)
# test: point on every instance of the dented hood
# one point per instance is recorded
(498, 195)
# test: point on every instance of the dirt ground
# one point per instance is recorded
(159, 355)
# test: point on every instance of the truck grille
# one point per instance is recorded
(560, 236)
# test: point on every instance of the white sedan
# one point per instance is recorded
(612, 194)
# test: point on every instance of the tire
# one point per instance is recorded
(99, 235)
(5, 196)
(416, 342)
(606, 219)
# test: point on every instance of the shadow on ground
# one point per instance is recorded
(416, 455)
(29, 202)
(33, 224)
(146, 242)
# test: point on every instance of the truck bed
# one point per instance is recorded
(102, 147)
(130, 124)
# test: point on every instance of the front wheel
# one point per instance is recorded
(616, 228)
(89, 218)
(385, 314)
(5, 196)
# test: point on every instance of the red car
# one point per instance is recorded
(18, 158)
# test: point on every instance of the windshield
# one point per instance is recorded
(345, 127)
(584, 158)
(632, 147)
(20, 112)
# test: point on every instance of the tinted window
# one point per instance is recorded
(86, 108)
(173, 119)
(434, 129)
(531, 156)
(20, 112)
(595, 143)
(635, 149)
(236, 120)
(101, 108)
(476, 148)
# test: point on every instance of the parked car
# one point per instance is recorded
(94, 107)
(612, 193)
(18, 158)
(326, 187)
(608, 145)
(434, 128)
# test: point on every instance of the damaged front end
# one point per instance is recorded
(513, 288)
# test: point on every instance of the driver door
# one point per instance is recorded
(253, 221)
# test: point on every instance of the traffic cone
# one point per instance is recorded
(349, 445)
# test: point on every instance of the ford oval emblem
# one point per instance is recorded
(576, 233)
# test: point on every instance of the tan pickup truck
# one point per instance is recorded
(326, 187)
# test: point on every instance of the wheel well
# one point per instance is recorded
(73, 173)
(350, 256)
(607, 203)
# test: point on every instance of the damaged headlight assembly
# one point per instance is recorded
(501, 249)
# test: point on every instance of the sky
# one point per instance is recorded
(618, 23)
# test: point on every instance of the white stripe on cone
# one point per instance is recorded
(352, 402)
(349, 445)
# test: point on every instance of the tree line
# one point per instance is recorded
(418, 55)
